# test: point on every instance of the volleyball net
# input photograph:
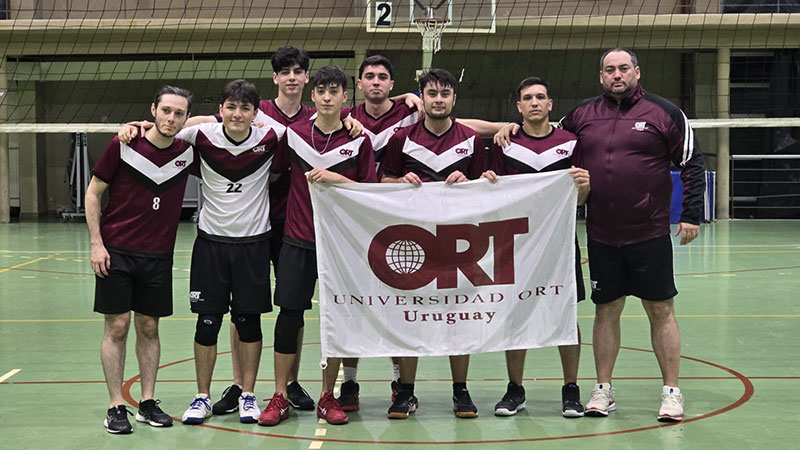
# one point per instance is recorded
(89, 65)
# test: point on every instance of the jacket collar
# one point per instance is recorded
(629, 99)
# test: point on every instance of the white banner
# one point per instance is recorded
(446, 270)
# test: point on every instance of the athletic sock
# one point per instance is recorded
(407, 387)
(396, 369)
(350, 374)
(458, 387)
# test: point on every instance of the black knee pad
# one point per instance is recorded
(207, 329)
(248, 326)
(287, 327)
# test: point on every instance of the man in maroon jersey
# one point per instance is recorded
(539, 147)
(435, 149)
(132, 246)
(319, 151)
(381, 117)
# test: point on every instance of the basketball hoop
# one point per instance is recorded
(431, 29)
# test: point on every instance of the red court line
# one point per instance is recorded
(747, 395)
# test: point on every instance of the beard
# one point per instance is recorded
(162, 133)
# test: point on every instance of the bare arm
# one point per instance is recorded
(197, 120)
(484, 128)
(411, 100)
(100, 259)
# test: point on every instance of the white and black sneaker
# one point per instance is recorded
(149, 412)
(229, 401)
(298, 397)
(512, 402)
(571, 401)
(116, 421)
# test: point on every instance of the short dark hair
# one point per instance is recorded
(329, 76)
(376, 60)
(440, 77)
(634, 60)
(531, 81)
(286, 57)
(174, 91)
(240, 91)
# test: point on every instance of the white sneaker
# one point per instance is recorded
(602, 401)
(671, 405)
(248, 408)
(198, 410)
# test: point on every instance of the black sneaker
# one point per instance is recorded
(463, 406)
(298, 397)
(513, 401)
(229, 401)
(348, 396)
(404, 403)
(395, 389)
(151, 413)
(571, 401)
(117, 420)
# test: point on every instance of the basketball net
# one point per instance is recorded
(431, 29)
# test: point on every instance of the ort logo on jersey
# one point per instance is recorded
(461, 151)
(409, 257)
(180, 163)
(561, 151)
(346, 152)
(640, 126)
(259, 149)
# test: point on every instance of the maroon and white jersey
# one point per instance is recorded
(380, 129)
(432, 157)
(268, 112)
(145, 194)
(530, 154)
(298, 154)
(235, 181)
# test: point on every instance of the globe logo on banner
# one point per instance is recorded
(404, 256)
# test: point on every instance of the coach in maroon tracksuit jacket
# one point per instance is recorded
(628, 139)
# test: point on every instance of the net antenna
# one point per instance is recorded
(431, 28)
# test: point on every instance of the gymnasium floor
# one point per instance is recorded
(738, 309)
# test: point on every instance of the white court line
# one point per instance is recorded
(320, 432)
(9, 374)
(315, 445)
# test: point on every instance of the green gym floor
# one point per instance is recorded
(738, 310)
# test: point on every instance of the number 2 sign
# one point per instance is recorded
(383, 14)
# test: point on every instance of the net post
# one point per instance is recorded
(723, 133)
(5, 191)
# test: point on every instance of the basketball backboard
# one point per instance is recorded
(464, 16)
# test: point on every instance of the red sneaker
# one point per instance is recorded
(276, 410)
(330, 409)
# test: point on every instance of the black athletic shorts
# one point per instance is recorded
(275, 243)
(297, 278)
(643, 270)
(231, 276)
(579, 272)
(135, 283)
